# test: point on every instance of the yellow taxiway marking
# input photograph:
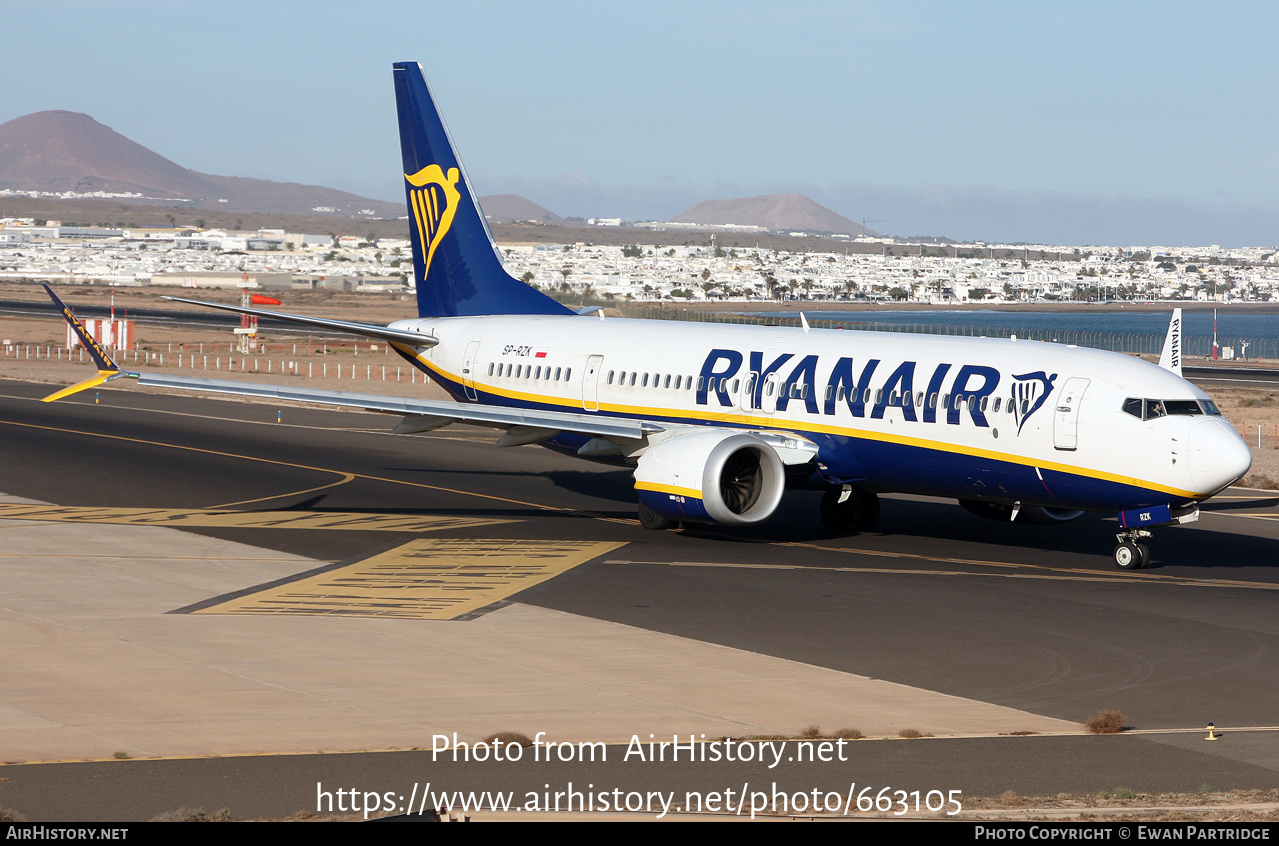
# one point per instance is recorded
(188, 517)
(540, 506)
(424, 580)
(346, 477)
(1009, 570)
(1272, 517)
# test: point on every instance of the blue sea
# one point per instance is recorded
(1130, 331)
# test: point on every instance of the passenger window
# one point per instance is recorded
(568, 373)
(998, 401)
(644, 381)
(667, 382)
(490, 368)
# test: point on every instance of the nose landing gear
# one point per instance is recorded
(1130, 553)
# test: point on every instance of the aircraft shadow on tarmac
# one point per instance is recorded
(912, 520)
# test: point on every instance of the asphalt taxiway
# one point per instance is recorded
(190, 577)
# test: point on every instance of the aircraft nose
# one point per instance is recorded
(1216, 455)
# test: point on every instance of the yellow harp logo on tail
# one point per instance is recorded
(433, 198)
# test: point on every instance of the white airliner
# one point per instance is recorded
(719, 420)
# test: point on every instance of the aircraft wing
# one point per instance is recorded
(423, 415)
(521, 425)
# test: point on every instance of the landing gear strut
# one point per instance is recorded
(1130, 553)
(847, 510)
(650, 519)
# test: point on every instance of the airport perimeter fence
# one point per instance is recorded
(1125, 342)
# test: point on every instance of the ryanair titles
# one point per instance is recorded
(773, 382)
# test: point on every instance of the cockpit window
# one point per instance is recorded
(1149, 409)
(1183, 407)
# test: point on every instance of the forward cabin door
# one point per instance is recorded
(591, 383)
(1066, 414)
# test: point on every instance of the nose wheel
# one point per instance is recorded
(1130, 553)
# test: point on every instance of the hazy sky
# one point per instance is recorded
(1083, 122)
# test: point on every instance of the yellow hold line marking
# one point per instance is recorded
(429, 579)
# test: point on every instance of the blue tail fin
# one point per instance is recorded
(455, 259)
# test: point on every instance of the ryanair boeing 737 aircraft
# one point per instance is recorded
(719, 420)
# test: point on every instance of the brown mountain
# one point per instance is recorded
(67, 151)
(779, 212)
(502, 208)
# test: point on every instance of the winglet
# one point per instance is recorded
(1170, 358)
(107, 368)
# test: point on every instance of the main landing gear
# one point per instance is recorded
(650, 519)
(845, 509)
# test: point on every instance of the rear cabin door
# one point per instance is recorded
(468, 365)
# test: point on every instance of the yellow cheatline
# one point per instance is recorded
(91, 382)
(743, 418)
(425, 579)
(668, 489)
(203, 518)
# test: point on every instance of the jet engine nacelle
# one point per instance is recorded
(716, 476)
(1039, 515)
